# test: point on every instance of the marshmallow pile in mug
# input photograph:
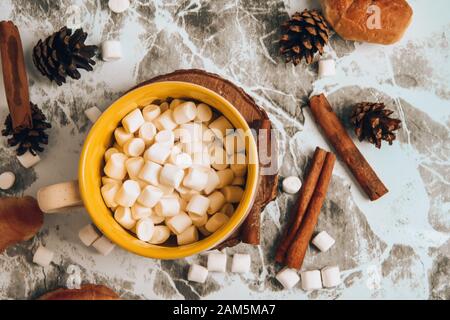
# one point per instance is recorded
(176, 169)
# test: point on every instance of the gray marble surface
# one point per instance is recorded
(396, 247)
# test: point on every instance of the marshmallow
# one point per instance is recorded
(109, 192)
(93, 114)
(7, 180)
(212, 182)
(88, 234)
(157, 153)
(165, 137)
(186, 193)
(288, 278)
(182, 160)
(204, 113)
(194, 146)
(111, 50)
(124, 218)
(134, 166)
(331, 276)
(239, 170)
(225, 177)
(203, 231)
(196, 179)
(323, 241)
(311, 280)
(171, 175)
(139, 212)
(160, 235)
(184, 112)
(188, 236)
(175, 103)
(220, 126)
(208, 135)
(150, 173)
(190, 132)
(103, 245)
(167, 206)
(217, 262)
(110, 152)
(118, 6)
(197, 220)
(291, 184)
(238, 181)
(27, 160)
(177, 224)
(201, 159)
(235, 142)
(151, 112)
(198, 205)
(227, 209)
(164, 106)
(241, 263)
(128, 193)
(43, 256)
(133, 121)
(197, 273)
(166, 190)
(219, 158)
(122, 136)
(134, 147)
(176, 150)
(327, 68)
(216, 201)
(165, 121)
(216, 221)
(147, 133)
(157, 219)
(145, 229)
(115, 167)
(107, 180)
(149, 196)
(232, 194)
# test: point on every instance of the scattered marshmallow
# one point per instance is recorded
(145, 229)
(7, 180)
(217, 262)
(331, 276)
(88, 234)
(327, 68)
(197, 273)
(103, 245)
(93, 114)
(118, 6)
(288, 278)
(311, 280)
(28, 160)
(323, 241)
(291, 184)
(160, 235)
(111, 50)
(188, 236)
(241, 263)
(43, 256)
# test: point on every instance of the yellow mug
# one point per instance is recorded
(86, 191)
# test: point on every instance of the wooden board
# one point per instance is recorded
(256, 118)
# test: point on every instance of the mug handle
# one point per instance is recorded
(59, 197)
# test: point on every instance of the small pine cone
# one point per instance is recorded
(62, 54)
(372, 123)
(303, 36)
(28, 139)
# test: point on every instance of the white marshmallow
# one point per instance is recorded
(115, 167)
(216, 221)
(151, 112)
(160, 235)
(122, 136)
(323, 241)
(7, 180)
(27, 160)
(171, 175)
(212, 182)
(150, 172)
(107, 180)
(157, 153)
(221, 126)
(134, 147)
(188, 236)
(234, 142)
(88, 234)
(184, 112)
(291, 184)
(128, 193)
(216, 201)
(208, 135)
(149, 196)
(111, 50)
(110, 152)
(134, 166)
(165, 121)
(196, 179)
(176, 150)
(331, 276)
(190, 132)
(201, 159)
(288, 278)
(164, 106)
(165, 137)
(197, 220)
(145, 229)
(103, 245)
(198, 205)
(177, 224)
(227, 209)
(238, 181)
(225, 177)
(197, 273)
(182, 160)
(109, 192)
(157, 219)
(232, 194)
(311, 280)
(194, 146)
(175, 103)
(124, 218)
(118, 6)
(167, 206)
(139, 212)
(217, 262)
(241, 263)
(219, 158)
(133, 121)
(167, 190)
(327, 68)
(43, 256)
(186, 193)
(147, 133)
(239, 170)
(93, 114)
(204, 113)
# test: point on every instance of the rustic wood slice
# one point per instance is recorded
(86, 292)
(256, 118)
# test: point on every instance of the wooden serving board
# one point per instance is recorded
(256, 118)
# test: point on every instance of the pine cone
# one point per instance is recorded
(303, 35)
(62, 53)
(372, 122)
(28, 139)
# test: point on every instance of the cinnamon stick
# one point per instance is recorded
(303, 200)
(15, 75)
(297, 250)
(345, 148)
